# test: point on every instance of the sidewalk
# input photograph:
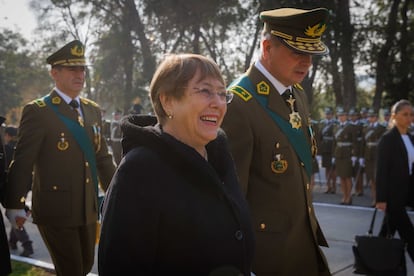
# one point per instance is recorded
(339, 223)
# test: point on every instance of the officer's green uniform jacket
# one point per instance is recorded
(287, 231)
(63, 191)
(345, 146)
(325, 140)
(325, 137)
(371, 137)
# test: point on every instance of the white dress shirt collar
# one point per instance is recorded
(65, 97)
(277, 84)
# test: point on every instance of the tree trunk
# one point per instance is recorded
(347, 57)
(383, 55)
(137, 26)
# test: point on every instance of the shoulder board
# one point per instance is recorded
(241, 92)
(39, 102)
(298, 86)
(87, 101)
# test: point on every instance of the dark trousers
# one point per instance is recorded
(72, 248)
(399, 220)
(21, 236)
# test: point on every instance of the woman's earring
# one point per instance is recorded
(170, 116)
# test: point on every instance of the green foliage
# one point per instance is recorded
(125, 39)
(20, 75)
(23, 269)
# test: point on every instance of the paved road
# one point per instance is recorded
(339, 223)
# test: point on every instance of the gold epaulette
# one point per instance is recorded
(87, 101)
(39, 102)
(241, 92)
(298, 86)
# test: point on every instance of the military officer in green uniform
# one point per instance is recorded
(371, 136)
(359, 123)
(345, 150)
(272, 143)
(60, 146)
(325, 141)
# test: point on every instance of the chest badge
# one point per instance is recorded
(279, 165)
(294, 118)
(263, 88)
(62, 144)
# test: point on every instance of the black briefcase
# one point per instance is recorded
(376, 255)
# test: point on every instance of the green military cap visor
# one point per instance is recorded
(72, 54)
(298, 29)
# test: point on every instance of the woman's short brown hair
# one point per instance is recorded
(173, 75)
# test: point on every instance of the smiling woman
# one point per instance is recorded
(179, 167)
(17, 16)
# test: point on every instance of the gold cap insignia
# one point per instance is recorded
(77, 50)
(315, 31)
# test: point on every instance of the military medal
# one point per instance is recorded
(294, 118)
(62, 143)
(314, 147)
(80, 120)
(279, 165)
(97, 136)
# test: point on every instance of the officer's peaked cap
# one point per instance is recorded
(298, 29)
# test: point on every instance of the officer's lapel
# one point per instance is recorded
(63, 107)
(275, 102)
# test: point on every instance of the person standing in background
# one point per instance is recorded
(325, 144)
(272, 143)
(372, 134)
(345, 153)
(16, 235)
(395, 177)
(60, 146)
(359, 123)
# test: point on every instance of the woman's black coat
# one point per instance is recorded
(5, 267)
(170, 212)
(395, 185)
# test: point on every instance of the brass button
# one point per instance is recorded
(87, 180)
(262, 226)
(22, 199)
(301, 163)
(55, 188)
(86, 164)
(307, 186)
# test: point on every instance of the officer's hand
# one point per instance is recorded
(381, 206)
(362, 162)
